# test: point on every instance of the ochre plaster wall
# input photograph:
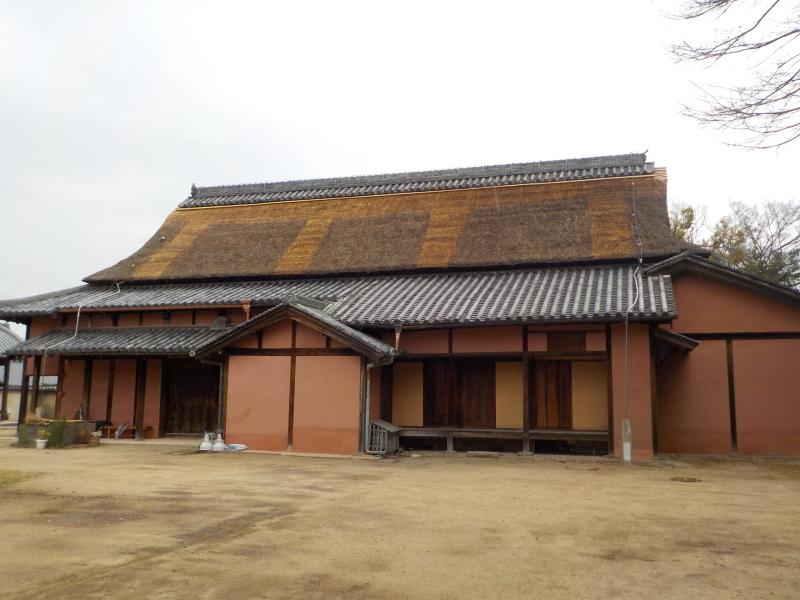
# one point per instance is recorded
(407, 394)
(257, 410)
(639, 388)
(589, 395)
(327, 404)
(508, 383)
(709, 306)
(487, 339)
(693, 413)
(767, 383)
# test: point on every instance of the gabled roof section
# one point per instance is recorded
(586, 294)
(506, 216)
(305, 312)
(692, 263)
(422, 181)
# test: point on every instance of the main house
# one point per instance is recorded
(528, 306)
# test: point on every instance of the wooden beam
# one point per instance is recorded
(290, 352)
(732, 396)
(292, 371)
(138, 404)
(526, 403)
(88, 365)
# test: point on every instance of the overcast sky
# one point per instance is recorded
(109, 111)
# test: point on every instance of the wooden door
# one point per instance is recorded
(459, 393)
(191, 397)
(551, 394)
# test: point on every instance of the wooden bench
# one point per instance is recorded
(450, 433)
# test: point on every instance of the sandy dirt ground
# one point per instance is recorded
(157, 521)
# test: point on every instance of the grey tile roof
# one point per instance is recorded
(120, 340)
(544, 295)
(8, 338)
(422, 181)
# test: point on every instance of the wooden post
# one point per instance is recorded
(37, 376)
(138, 404)
(4, 401)
(526, 393)
(87, 386)
(23, 398)
(59, 388)
(110, 393)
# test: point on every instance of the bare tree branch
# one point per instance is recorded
(767, 34)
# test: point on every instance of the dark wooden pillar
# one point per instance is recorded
(526, 393)
(87, 385)
(110, 394)
(4, 401)
(138, 405)
(59, 389)
(23, 398)
(37, 376)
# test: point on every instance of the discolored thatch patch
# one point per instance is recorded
(376, 242)
(525, 233)
(232, 247)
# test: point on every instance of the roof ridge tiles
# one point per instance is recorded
(431, 180)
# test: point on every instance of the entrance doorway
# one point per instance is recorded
(191, 397)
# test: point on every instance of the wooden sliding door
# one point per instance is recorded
(551, 394)
(459, 393)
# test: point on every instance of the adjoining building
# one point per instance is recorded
(11, 382)
(533, 306)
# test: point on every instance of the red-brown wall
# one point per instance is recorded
(694, 413)
(693, 410)
(257, 409)
(767, 383)
(327, 404)
(639, 388)
(706, 305)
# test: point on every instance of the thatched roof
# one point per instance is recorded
(505, 216)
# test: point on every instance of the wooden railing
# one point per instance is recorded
(383, 438)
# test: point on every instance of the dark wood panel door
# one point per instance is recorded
(459, 393)
(191, 397)
(551, 394)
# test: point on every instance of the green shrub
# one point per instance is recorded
(55, 435)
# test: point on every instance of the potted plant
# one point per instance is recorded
(41, 438)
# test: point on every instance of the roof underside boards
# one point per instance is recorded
(545, 295)
(422, 181)
(119, 341)
(491, 217)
